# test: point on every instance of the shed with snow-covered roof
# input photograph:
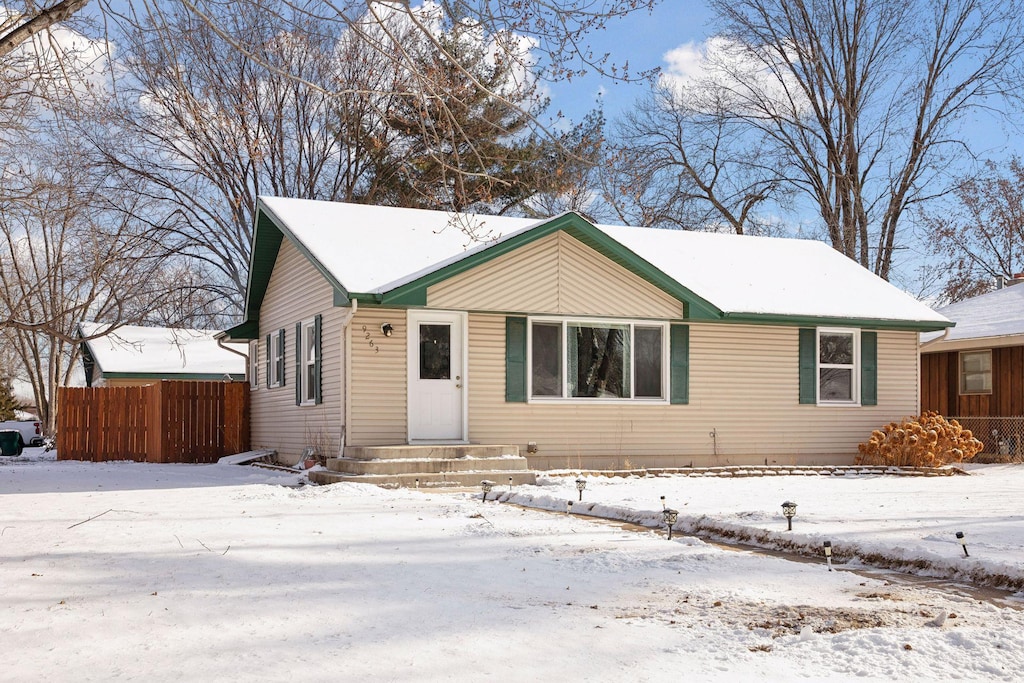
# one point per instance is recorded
(976, 369)
(584, 345)
(134, 355)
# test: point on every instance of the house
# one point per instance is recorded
(583, 345)
(132, 355)
(974, 372)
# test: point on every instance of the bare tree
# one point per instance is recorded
(683, 163)
(20, 24)
(981, 237)
(378, 104)
(70, 254)
(863, 102)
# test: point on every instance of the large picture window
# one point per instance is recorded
(838, 365)
(590, 359)
(976, 372)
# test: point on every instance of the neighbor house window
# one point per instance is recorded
(254, 364)
(838, 368)
(976, 372)
(585, 359)
(308, 362)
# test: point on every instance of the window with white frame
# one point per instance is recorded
(308, 362)
(976, 372)
(275, 359)
(597, 359)
(838, 365)
(254, 364)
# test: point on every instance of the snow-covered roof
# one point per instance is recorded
(133, 349)
(370, 249)
(996, 314)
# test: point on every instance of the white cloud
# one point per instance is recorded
(722, 72)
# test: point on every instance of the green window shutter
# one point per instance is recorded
(269, 361)
(515, 360)
(298, 363)
(869, 368)
(317, 365)
(808, 366)
(679, 364)
(280, 362)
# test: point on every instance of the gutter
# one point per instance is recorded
(945, 334)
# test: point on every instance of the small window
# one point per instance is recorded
(254, 365)
(307, 375)
(976, 372)
(435, 351)
(275, 359)
(837, 366)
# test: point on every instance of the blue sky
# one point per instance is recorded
(642, 40)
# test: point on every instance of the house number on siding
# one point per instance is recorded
(366, 335)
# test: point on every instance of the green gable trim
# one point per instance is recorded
(821, 321)
(808, 366)
(268, 234)
(515, 360)
(415, 293)
(212, 376)
(869, 368)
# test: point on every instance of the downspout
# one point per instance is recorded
(347, 351)
(220, 343)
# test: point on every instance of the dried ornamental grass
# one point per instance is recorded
(926, 441)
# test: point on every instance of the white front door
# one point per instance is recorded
(437, 376)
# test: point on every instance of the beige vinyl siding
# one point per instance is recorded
(297, 292)
(556, 274)
(378, 410)
(743, 387)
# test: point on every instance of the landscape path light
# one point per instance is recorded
(568, 507)
(670, 516)
(789, 509)
(581, 484)
(963, 542)
(486, 485)
(663, 502)
(828, 554)
(510, 484)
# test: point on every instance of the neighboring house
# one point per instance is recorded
(585, 345)
(976, 369)
(131, 355)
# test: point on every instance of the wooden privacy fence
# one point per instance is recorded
(170, 421)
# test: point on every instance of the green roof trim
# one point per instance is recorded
(246, 331)
(824, 321)
(268, 234)
(415, 293)
(237, 376)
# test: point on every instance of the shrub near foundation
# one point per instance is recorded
(926, 441)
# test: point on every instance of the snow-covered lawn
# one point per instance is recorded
(217, 572)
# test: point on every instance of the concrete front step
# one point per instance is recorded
(425, 465)
(428, 480)
(429, 451)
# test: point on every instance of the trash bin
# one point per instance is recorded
(10, 442)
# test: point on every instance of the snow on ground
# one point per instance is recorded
(907, 522)
(218, 572)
